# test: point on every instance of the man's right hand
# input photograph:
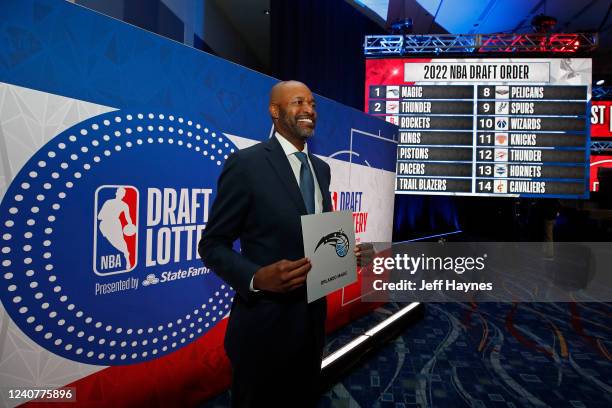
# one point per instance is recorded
(282, 276)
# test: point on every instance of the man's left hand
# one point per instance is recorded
(364, 253)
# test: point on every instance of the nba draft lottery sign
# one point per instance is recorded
(99, 238)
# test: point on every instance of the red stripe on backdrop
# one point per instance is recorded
(187, 377)
(343, 308)
(184, 378)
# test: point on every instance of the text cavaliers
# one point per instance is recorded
(175, 220)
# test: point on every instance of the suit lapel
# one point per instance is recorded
(277, 158)
(323, 182)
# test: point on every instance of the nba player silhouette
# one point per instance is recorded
(110, 224)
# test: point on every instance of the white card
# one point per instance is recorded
(329, 243)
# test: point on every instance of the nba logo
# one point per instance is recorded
(334, 200)
(115, 238)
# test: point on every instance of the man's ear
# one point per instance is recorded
(274, 112)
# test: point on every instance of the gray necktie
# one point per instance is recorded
(306, 183)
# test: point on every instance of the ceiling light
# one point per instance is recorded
(543, 23)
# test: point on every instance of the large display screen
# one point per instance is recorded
(486, 127)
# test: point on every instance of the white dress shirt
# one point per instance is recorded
(290, 150)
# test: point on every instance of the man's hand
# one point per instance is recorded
(364, 253)
(282, 276)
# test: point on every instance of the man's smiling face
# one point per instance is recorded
(296, 114)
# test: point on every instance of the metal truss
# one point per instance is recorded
(438, 43)
(387, 45)
(384, 44)
(601, 145)
(602, 92)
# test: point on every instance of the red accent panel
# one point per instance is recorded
(601, 125)
(184, 378)
(597, 162)
(389, 71)
(339, 315)
(352, 292)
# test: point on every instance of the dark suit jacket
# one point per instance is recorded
(259, 202)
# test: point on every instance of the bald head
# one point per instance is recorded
(292, 108)
(283, 88)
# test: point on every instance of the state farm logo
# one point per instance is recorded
(151, 279)
(115, 240)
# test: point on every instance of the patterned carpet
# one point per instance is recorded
(482, 355)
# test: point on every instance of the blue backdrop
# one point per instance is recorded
(65, 283)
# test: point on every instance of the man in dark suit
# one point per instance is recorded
(274, 338)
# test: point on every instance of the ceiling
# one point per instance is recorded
(495, 16)
(452, 16)
(506, 16)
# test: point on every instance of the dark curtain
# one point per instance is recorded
(320, 42)
(151, 15)
(155, 16)
(418, 216)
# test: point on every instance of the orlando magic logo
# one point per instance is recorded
(337, 239)
(115, 229)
